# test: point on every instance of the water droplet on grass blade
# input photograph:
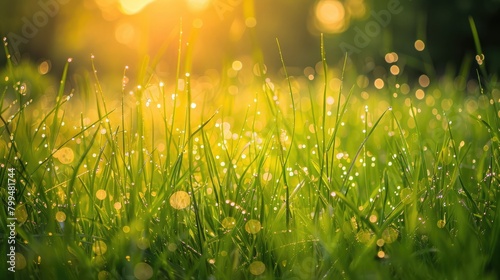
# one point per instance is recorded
(441, 223)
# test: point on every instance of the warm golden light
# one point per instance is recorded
(381, 254)
(391, 57)
(180, 200)
(65, 155)
(419, 45)
(60, 216)
(250, 22)
(198, 5)
(424, 81)
(44, 67)
(379, 83)
(101, 194)
(394, 70)
(125, 33)
(420, 94)
(356, 8)
(330, 15)
(131, 7)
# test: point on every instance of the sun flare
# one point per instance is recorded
(130, 7)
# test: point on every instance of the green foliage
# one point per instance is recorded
(296, 179)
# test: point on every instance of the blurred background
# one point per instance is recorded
(122, 33)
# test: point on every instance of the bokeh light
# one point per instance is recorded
(391, 57)
(394, 70)
(229, 222)
(60, 216)
(420, 94)
(198, 5)
(143, 271)
(419, 45)
(131, 7)
(379, 83)
(330, 16)
(257, 268)
(99, 247)
(65, 155)
(21, 214)
(103, 275)
(44, 67)
(20, 261)
(125, 33)
(390, 235)
(356, 8)
(364, 236)
(101, 194)
(424, 81)
(180, 200)
(253, 226)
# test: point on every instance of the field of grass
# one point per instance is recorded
(328, 175)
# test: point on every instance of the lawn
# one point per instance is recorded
(239, 174)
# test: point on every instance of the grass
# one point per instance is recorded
(254, 177)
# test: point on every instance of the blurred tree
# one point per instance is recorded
(76, 28)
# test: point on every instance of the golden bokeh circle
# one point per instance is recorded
(60, 216)
(229, 222)
(253, 226)
(143, 271)
(65, 155)
(180, 200)
(257, 268)
(99, 247)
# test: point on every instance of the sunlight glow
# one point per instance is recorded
(180, 200)
(125, 33)
(131, 7)
(356, 8)
(331, 16)
(198, 5)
